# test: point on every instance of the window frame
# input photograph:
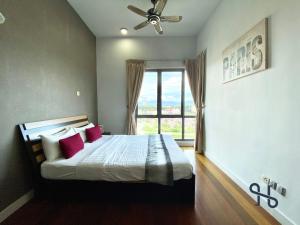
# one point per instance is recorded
(159, 114)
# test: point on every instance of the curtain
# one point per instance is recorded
(196, 75)
(135, 73)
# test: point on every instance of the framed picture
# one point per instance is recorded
(248, 54)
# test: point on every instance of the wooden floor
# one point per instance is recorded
(218, 201)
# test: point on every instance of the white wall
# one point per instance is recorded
(111, 56)
(253, 124)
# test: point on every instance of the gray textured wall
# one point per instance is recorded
(46, 54)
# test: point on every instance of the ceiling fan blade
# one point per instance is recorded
(159, 6)
(141, 25)
(158, 28)
(172, 19)
(137, 11)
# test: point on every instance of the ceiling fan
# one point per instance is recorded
(154, 16)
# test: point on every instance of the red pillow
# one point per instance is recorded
(71, 145)
(93, 134)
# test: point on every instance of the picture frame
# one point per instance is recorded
(248, 54)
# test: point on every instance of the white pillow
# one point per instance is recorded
(81, 131)
(51, 145)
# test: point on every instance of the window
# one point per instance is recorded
(166, 105)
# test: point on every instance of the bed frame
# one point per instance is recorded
(182, 190)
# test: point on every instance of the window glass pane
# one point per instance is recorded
(147, 126)
(189, 128)
(171, 83)
(171, 93)
(172, 126)
(189, 106)
(147, 103)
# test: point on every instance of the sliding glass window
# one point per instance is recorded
(165, 105)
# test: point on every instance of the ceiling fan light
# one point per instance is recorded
(124, 31)
(154, 19)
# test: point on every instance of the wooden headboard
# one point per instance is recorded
(31, 135)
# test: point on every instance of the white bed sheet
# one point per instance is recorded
(115, 158)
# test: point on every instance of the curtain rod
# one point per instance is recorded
(167, 60)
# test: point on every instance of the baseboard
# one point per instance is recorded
(276, 213)
(9, 210)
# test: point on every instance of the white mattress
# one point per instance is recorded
(115, 158)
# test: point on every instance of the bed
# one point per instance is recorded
(135, 167)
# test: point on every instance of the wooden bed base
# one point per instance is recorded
(182, 190)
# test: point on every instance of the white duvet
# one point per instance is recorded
(115, 158)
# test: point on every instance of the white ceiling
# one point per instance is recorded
(106, 17)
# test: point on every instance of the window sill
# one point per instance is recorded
(185, 143)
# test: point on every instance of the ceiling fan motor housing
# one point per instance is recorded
(153, 19)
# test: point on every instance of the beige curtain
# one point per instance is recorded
(196, 75)
(135, 73)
